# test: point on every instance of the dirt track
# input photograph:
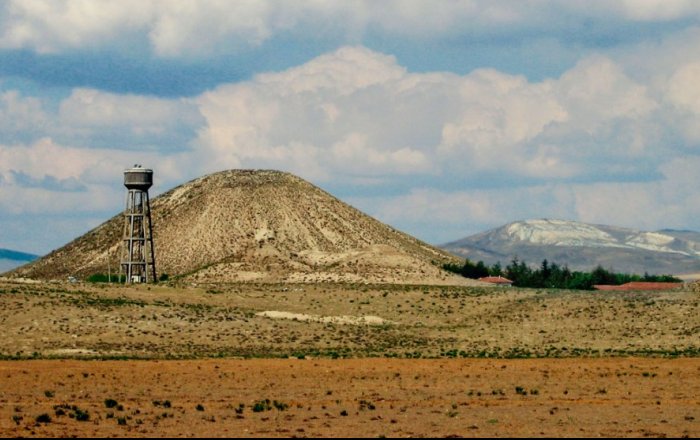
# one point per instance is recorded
(364, 397)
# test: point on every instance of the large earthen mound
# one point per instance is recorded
(243, 225)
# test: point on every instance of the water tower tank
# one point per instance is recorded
(138, 178)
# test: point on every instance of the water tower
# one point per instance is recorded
(138, 256)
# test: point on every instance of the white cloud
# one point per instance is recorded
(318, 116)
(595, 123)
(671, 202)
(26, 167)
(659, 10)
(140, 120)
(597, 90)
(97, 119)
(342, 72)
(500, 147)
(177, 28)
(358, 114)
(49, 26)
(20, 114)
(190, 27)
(684, 89)
(498, 113)
(44, 158)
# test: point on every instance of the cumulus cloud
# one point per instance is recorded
(32, 176)
(481, 148)
(50, 26)
(658, 10)
(97, 119)
(176, 28)
(320, 119)
(358, 113)
(127, 121)
(20, 116)
(671, 201)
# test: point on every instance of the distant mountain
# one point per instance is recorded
(11, 259)
(583, 246)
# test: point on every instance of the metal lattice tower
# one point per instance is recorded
(138, 255)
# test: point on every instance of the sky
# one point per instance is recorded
(441, 118)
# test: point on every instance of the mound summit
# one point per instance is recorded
(267, 226)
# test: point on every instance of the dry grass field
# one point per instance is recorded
(340, 320)
(321, 360)
(622, 397)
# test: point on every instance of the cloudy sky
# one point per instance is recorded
(441, 118)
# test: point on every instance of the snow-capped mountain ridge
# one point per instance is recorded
(559, 233)
(569, 233)
(583, 246)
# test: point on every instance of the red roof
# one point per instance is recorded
(640, 285)
(607, 287)
(496, 280)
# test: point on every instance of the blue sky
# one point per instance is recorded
(442, 119)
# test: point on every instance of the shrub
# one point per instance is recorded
(263, 405)
(81, 416)
(43, 418)
(366, 405)
(281, 406)
(111, 403)
(521, 391)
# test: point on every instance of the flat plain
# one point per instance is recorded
(346, 359)
(621, 397)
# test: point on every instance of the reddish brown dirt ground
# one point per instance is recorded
(363, 397)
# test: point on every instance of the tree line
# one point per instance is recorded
(551, 275)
